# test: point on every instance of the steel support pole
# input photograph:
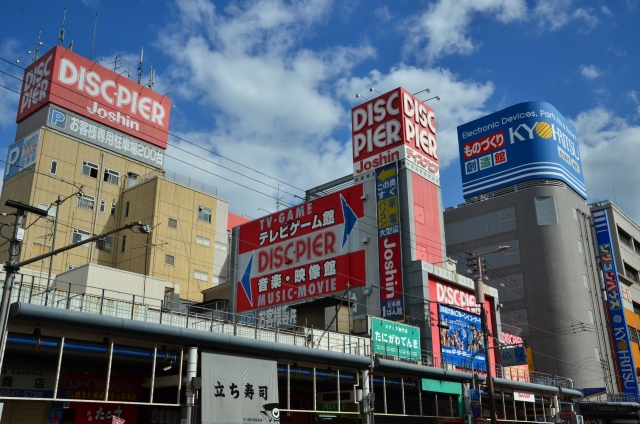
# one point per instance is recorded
(55, 388)
(106, 391)
(479, 289)
(384, 392)
(153, 372)
(192, 368)
(180, 374)
(338, 380)
(402, 390)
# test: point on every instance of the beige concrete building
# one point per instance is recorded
(105, 190)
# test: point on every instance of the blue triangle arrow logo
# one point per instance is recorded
(350, 220)
(246, 281)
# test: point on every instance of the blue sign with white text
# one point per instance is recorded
(619, 331)
(22, 154)
(523, 142)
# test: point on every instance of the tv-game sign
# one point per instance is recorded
(68, 80)
(389, 252)
(526, 141)
(22, 154)
(391, 127)
(303, 252)
(617, 320)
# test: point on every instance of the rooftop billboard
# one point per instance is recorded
(301, 253)
(526, 141)
(391, 127)
(77, 84)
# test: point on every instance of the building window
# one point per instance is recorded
(113, 208)
(221, 246)
(54, 167)
(132, 179)
(633, 334)
(51, 210)
(124, 243)
(89, 169)
(86, 202)
(636, 308)
(39, 248)
(546, 210)
(631, 273)
(204, 214)
(103, 205)
(126, 210)
(597, 354)
(624, 237)
(201, 275)
(111, 176)
(104, 244)
(585, 281)
(79, 235)
(636, 246)
(575, 213)
(169, 259)
(590, 316)
(203, 241)
(172, 223)
(579, 246)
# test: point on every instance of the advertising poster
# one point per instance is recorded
(389, 259)
(22, 154)
(103, 413)
(462, 339)
(238, 390)
(617, 319)
(526, 141)
(300, 253)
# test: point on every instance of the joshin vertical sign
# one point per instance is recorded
(237, 390)
(391, 300)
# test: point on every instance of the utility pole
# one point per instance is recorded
(53, 246)
(477, 263)
(11, 267)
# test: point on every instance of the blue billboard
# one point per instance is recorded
(22, 154)
(523, 142)
(628, 379)
(461, 338)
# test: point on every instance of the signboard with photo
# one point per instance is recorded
(462, 339)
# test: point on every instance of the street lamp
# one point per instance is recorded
(475, 261)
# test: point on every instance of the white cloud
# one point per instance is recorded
(444, 25)
(554, 14)
(270, 101)
(606, 11)
(590, 71)
(383, 14)
(606, 141)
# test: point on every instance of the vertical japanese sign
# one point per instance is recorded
(237, 390)
(300, 253)
(462, 339)
(394, 339)
(390, 263)
(617, 320)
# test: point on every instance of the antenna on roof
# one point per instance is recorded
(140, 65)
(115, 63)
(70, 46)
(93, 40)
(61, 35)
(35, 52)
(152, 77)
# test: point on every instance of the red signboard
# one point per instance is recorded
(68, 80)
(394, 126)
(302, 252)
(104, 413)
(483, 145)
(91, 386)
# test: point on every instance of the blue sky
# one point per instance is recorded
(269, 84)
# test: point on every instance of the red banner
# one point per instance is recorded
(69, 80)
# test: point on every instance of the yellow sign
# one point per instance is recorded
(530, 359)
(388, 212)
